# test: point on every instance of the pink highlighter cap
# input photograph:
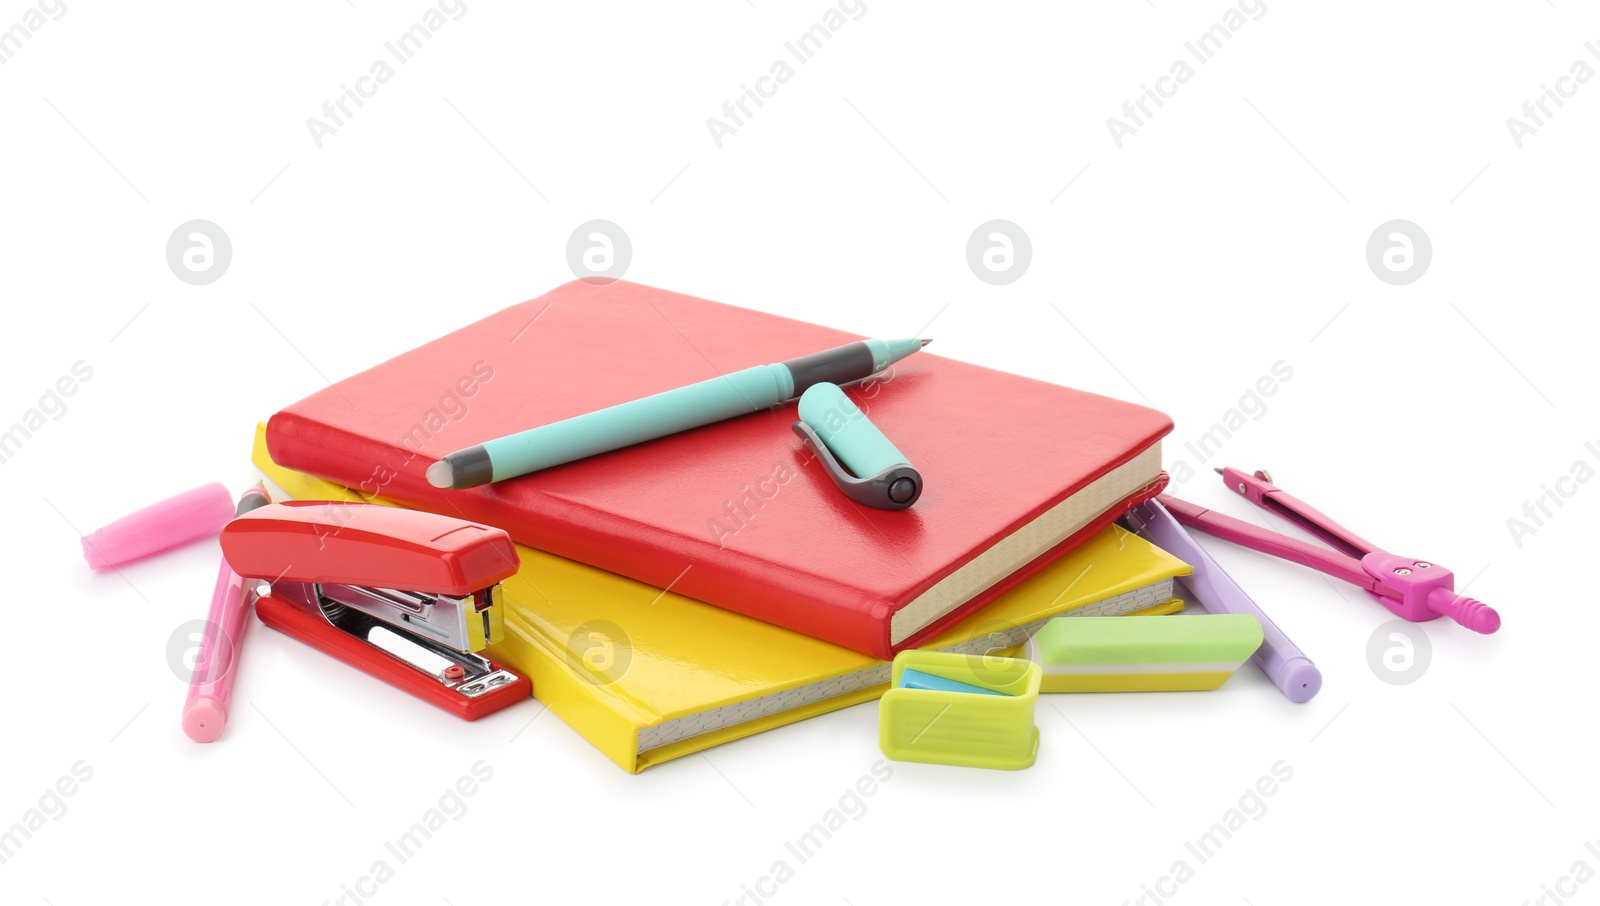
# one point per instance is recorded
(177, 520)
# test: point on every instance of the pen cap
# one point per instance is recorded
(177, 520)
(855, 453)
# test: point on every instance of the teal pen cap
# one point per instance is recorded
(864, 463)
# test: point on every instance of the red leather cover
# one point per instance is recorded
(737, 514)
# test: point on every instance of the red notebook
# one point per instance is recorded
(739, 514)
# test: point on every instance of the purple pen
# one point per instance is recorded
(1283, 663)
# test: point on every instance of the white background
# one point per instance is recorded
(1227, 234)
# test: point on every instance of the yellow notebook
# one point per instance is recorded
(647, 675)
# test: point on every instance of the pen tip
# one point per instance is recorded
(440, 475)
(926, 342)
(1216, 470)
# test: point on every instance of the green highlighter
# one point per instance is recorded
(1148, 654)
(864, 464)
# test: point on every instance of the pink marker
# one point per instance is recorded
(205, 711)
(194, 514)
(1417, 590)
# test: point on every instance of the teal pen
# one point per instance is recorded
(636, 421)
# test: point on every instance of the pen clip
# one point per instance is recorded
(895, 488)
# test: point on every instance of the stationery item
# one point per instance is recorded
(730, 513)
(1155, 654)
(647, 675)
(1160, 610)
(1416, 590)
(1212, 588)
(939, 726)
(658, 415)
(205, 709)
(916, 679)
(407, 596)
(194, 514)
(863, 463)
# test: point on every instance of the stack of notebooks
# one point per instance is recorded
(713, 584)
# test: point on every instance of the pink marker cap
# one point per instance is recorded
(204, 718)
(177, 520)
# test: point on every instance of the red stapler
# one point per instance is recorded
(407, 596)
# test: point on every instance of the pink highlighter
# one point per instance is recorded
(205, 711)
(196, 513)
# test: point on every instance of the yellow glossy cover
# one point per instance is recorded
(615, 658)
